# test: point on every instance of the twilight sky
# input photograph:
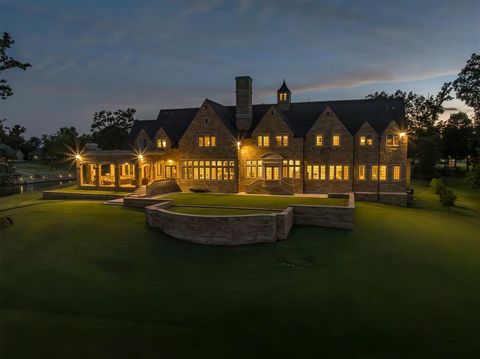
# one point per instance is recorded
(94, 55)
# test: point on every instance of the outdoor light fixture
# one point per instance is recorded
(78, 157)
(140, 157)
(238, 145)
(402, 134)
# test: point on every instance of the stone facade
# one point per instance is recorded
(321, 147)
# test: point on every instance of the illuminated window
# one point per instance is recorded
(374, 172)
(207, 170)
(383, 173)
(161, 143)
(361, 172)
(336, 139)
(291, 169)
(396, 173)
(393, 140)
(331, 173)
(254, 169)
(338, 172)
(319, 140)
(263, 141)
(281, 140)
(345, 172)
(316, 172)
(207, 141)
(283, 96)
(366, 140)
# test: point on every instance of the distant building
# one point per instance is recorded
(283, 148)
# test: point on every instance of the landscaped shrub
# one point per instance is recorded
(448, 198)
(437, 186)
(473, 177)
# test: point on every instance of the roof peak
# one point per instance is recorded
(284, 87)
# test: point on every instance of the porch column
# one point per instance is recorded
(117, 175)
(138, 180)
(97, 178)
(79, 174)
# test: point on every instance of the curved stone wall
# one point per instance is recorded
(221, 230)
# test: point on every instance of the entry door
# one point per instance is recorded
(170, 171)
(272, 172)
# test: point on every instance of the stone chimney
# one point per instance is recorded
(243, 91)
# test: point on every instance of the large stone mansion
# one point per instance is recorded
(355, 146)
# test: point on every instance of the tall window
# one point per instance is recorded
(291, 169)
(396, 172)
(338, 172)
(393, 140)
(142, 143)
(366, 140)
(316, 172)
(281, 140)
(336, 139)
(383, 173)
(374, 172)
(319, 140)
(207, 141)
(283, 96)
(254, 169)
(263, 141)
(161, 143)
(212, 170)
(361, 172)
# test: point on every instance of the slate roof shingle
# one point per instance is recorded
(300, 117)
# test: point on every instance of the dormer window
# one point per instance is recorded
(281, 140)
(142, 143)
(393, 140)
(336, 139)
(263, 141)
(161, 143)
(366, 140)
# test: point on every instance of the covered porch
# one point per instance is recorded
(122, 170)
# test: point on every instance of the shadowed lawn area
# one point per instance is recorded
(84, 280)
(278, 202)
(74, 189)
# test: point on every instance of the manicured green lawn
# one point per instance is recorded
(80, 279)
(279, 202)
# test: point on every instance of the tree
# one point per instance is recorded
(456, 133)
(422, 115)
(15, 136)
(110, 129)
(467, 85)
(61, 143)
(6, 63)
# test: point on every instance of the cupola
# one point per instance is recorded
(283, 97)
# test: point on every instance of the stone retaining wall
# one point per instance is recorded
(220, 230)
(342, 217)
(394, 198)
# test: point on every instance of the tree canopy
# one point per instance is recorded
(467, 85)
(6, 63)
(110, 129)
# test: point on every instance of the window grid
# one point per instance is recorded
(291, 169)
(263, 141)
(214, 170)
(254, 169)
(207, 141)
(281, 140)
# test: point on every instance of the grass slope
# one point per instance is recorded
(83, 280)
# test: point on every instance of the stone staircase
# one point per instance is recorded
(274, 187)
(140, 192)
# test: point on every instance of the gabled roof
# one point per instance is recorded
(300, 116)
(225, 115)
